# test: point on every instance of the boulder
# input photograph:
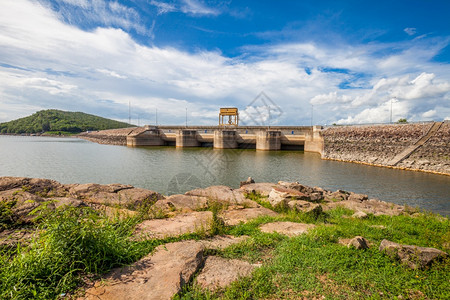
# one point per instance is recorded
(219, 272)
(261, 188)
(357, 197)
(67, 201)
(281, 196)
(157, 276)
(248, 181)
(305, 206)
(224, 194)
(33, 185)
(413, 256)
(297, 186)
(357, 242)
(183, 202)
(236, 216)
(287, 228)
(359, 215)
(178, 225)
(370, 206)
(339, 195)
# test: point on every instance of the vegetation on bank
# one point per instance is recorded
(76, 245)
(59, 122)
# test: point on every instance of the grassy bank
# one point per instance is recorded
(76, 245)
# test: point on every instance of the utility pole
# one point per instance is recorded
(312, 114)
(156, 117)
(129, 112)
(186, 117)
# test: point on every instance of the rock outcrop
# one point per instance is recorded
(413, 256)
(287, 228)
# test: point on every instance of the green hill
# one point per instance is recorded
(56, 120)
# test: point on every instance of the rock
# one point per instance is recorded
(297, 186)
(359, 215)
(281, 196)
(219, 272)
(114, 194)
(157, 276)
(183, 202)
(262, 188)
(339, 195)
(219, 242)
(178, 225)
(305, 206)
(10, 238)
(413, 256)
(248, 181)
(224, 194)
(65, 201)
(33, 185)
(358, 242)
(357, 197)
(287, 228)
(370, 206)
(236, 216)
(113, 212)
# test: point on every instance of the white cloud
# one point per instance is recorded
(163, 7)
(429, 114)
(46, 63)
(410, 30)
(198, 8)
(192, 7)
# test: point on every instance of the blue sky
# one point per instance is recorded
(347, 61)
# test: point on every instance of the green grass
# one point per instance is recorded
(315, 265)
(79, 243)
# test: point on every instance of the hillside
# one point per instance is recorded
(57, 120)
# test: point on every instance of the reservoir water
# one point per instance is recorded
(171, 170)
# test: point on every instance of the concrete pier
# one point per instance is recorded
(187, 138)
(268, 140)
(150, 137)
(225, 139)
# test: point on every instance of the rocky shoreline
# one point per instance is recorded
(163, 273)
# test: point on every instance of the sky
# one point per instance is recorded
(279, 62)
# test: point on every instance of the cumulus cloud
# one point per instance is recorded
(48, 63)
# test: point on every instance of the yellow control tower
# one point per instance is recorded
(233, 116)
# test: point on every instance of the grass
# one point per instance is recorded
(315, 265)
(79, 243)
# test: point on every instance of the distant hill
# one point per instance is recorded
(53, 120)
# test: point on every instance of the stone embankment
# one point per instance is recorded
(163, 273)
(111, 136)
(379, 144)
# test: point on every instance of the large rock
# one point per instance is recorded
(236, 216)
(157, 276)
(371, 206)
(287, 228)
(261, 188)
(248, 181)
(114, 194)
(305, 206)
(178, 225)
(281, 196)
(33, 185)
(357, 242)
(182, 202)
(219, 272)
(412, 256)
(224, 194)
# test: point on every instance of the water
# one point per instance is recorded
(174, 170)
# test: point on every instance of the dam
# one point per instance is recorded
(306, 138)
